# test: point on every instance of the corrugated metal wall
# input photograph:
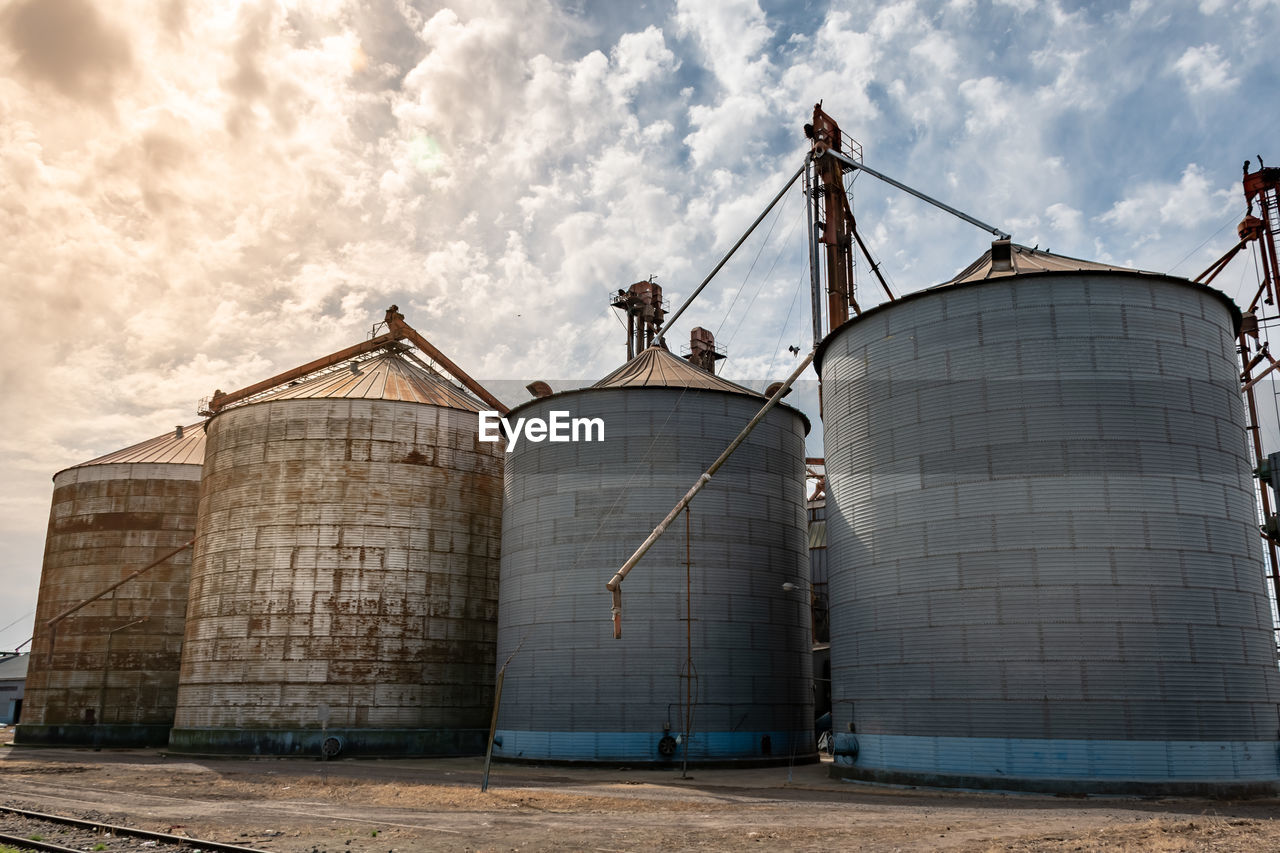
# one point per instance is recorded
(346, 578)
(1044, 559)
(575, 511)
(105, 522)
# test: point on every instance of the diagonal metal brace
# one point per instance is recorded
(615, 583)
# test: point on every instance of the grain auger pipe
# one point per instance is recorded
(53, 623)
(397, 330)
(124, 580)
(615, 583)
(854, 164)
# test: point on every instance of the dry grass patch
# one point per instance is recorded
(1220, 835)
(431, 797)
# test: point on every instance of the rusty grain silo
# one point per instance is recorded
(721, 648)
(344, 584)
(108, 673)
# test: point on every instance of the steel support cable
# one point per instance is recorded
(786, 241)
(671, 322)
(604, 344)
(658, 435)
(787, 322)
(746, 278)
(16, 621)
(661, 339)
(1201, 245)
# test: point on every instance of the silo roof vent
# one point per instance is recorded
(1006, 258)
(1001, 255)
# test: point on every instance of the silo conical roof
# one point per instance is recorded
(1024, 260)
(388, 376)
(171, 448)
(656, 367)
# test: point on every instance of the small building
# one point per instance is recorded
(13, 678)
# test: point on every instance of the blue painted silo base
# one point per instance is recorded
(1153, 767)
(737, 748)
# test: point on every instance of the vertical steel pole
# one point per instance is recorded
(688, 639)
(493, 727)
(815, 296)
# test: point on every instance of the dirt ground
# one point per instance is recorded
(303, 806)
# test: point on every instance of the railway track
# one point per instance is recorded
(28, 830)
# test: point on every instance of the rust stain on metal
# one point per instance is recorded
(339, 567)
(98, 521)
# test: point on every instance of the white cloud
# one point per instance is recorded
(1190, 202)
(939, 50)
(897, 19)
(731, 36)
(1204, 70)
(988, 104)
(1065, 219)
(639, 58)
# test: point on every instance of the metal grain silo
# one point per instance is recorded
(575, 510)
(107, 674)
(1045, 569)
(344, 584)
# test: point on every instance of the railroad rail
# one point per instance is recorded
(92, 833)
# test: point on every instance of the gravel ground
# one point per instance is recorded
(300, 806)
(83, 838)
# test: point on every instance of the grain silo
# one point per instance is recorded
(575, 510)
(107, 673)
(1045, 569)
(344, 583)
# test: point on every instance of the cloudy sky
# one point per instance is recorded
(196, 194)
